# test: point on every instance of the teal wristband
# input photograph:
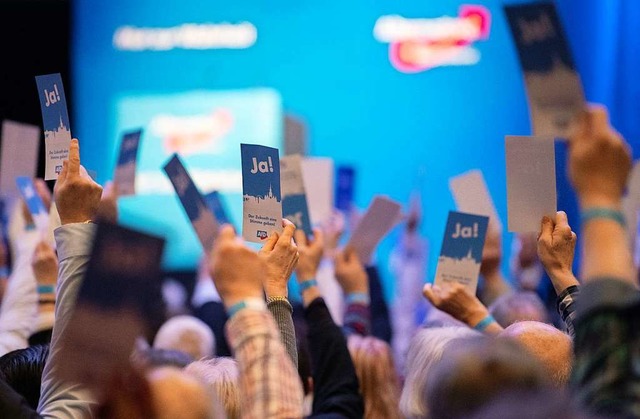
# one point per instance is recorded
(603, 212)
(253, 303)
(46, 289)
(484, 323)
(305, 285)
(358, 298)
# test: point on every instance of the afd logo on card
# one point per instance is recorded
(262, 235)
(51, 97)
(262, 166)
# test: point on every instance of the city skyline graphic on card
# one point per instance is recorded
(53, 104)
(554, 89)
(125, 174)
(461, 252)
(261, 194)
(345, 179)
(193, 203)
(216, 205)
(294, 198)
(34, 203)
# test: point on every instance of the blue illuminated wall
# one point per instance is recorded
(323, 60)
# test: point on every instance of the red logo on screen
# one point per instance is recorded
(417, 45)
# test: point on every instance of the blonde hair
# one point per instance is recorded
(379, 383)
(221, 376)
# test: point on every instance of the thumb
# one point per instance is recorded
(429, 294)
(270, 243)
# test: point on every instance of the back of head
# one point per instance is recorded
(549, 345)
(425, 351)
(518, 306)
(471, 374)
(187, 334)
(221, 376)
(178, 395)
(22, 370)
(379, 383)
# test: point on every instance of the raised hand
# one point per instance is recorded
(236, 270)
(280, 255)
(350, 272)
(77, 196)
(45, 264)
(45, 194)
(310, 252)
(599, 159)
(458, 303)
(556, 249)
(108, 209)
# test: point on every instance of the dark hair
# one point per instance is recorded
(22, 370)
(477, 370)
(155, 357)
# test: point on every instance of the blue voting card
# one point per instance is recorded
(125, 174)
(55, 121)
(554, 90)
(194, 205)
(261, 195)
(294, 198)
(461, 253)
(36, 207)
(345, 179)
(216, 206)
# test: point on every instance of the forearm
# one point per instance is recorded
(562, 280)
(268, 381)
(282, 311)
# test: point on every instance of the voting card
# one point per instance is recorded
(34, 203)
(217, 207)
(531, 182)
(472, 196)
(381, 216)
(345, 180)
(295, 136)
(119, 300)
(318, 184)
(261, 195)
(554, 89)
(125, 175)
(19, 155)
(193, 203)
(294, 199)
(55, 121)
(461, 253)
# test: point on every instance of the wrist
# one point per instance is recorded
(358, 298)
(276, 290)
(231, 300)
(589, 201)
(247, 303)
(475, 316)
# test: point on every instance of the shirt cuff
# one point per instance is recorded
(74, 239)
(248, 323)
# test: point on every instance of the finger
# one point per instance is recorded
(546, 227)
(574, 237)
(271, 242)
(300, 238)
(561, 219)
(318, 237)
(598, 119)
(226, 234)
(74, 158)
(430, 294)
(63, 173)
(287, 232)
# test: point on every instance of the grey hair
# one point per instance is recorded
(220, 375)
(186, 334)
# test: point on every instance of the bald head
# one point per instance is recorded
(549, 345)
(179, 396)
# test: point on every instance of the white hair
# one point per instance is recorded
(186, 334)
(425, 351)
(220, 375)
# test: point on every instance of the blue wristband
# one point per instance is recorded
(305, 285)
(4, 272)
(46, 289)
(603, 212)
(484, 323)
(254, 303)
(358, 298)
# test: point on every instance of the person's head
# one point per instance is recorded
(22, 370)
(518, 306)
(178, 395)
(471, 374)
(425, 351)
(379, 383)
(221, 376)
(187, 334)
(549, 345)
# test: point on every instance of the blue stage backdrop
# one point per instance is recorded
(202, 76)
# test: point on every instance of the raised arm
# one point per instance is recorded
(77, 198)
(354, 282)
(269, 383)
